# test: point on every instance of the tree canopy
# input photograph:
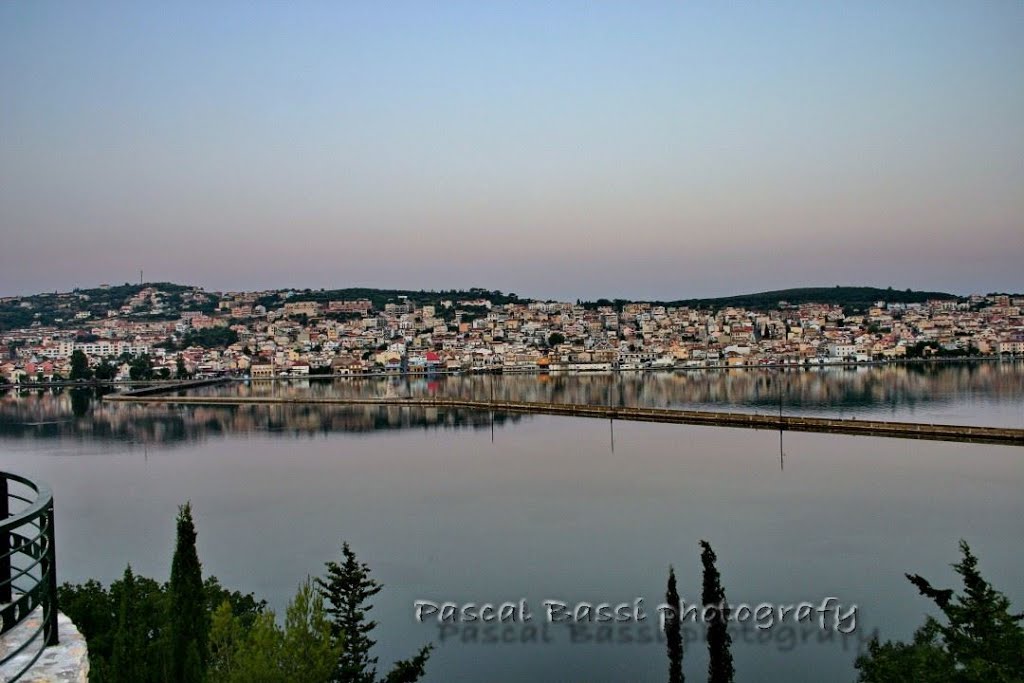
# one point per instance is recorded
(977, 640)
(188, 629)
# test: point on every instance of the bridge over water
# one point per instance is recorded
(909, 430)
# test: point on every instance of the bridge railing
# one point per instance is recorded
(28, 573)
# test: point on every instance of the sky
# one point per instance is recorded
(563, 149)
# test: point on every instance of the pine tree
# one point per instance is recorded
(720, 669)
(346, 588)
(674, 631)
(978, 640)
(189, 618)
(410, 670)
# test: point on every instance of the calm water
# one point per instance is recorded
(978, 393)
(549, 509)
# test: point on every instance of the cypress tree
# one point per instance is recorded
(127, 659)
(189, 619)
(720, 669)
(674, 631)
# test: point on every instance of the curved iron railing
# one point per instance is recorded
(28, 572)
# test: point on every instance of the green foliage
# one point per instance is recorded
(264, 652)
(141, 368)
(244, 655)
(617, 304)
(189, 618)
(926, 349)
(346, 589)
(210, 338)
(380, 297)
(79, 366)
(13, 318)
(243, 605)
(46, 308)
(128, 658)
(853, 297)
(125, 626)
(91, 607)
(188, 630)
(674, 631)
(556, 338)
(720, 668)
(979, 640)
(410, 670)
(310, 651)
(105, 371)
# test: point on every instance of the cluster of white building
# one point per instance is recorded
(293, 335)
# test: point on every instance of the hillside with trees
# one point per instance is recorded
(854, 297)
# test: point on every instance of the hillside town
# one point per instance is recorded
(171, 331)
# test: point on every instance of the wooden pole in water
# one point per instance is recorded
(611, 417)
(5, 546)
(782, 457)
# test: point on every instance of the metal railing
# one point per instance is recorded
(28, 573)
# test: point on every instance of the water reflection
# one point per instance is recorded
(831, 390)
(548, 510)
(970, 393)
(80, 414)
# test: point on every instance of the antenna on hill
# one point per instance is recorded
(140, 276)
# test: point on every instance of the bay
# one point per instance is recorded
(551, 507)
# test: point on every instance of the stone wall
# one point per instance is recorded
(66, 662)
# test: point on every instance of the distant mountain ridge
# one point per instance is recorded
(48, 308)
(857, 297)
(837, 294)
(852, 297)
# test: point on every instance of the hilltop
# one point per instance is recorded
(168, 330)
(52, 308)
(856, 298)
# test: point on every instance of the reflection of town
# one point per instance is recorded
(812, 391)
(78, 413)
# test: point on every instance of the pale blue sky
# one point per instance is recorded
(556, 149)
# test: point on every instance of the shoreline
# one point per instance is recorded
(911, 430)
(170, 383)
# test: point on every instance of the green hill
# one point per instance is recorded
(60, 308)
(854, 297)
(379, 297)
